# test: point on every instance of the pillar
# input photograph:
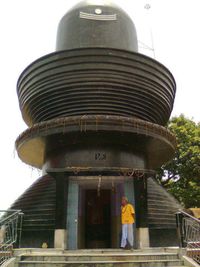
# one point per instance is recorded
(60, 234)
(72, 215)
(142, 230)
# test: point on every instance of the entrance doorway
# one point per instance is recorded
(98, 219)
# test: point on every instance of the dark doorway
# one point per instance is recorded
(98, 219)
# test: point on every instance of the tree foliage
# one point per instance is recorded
(181, 176)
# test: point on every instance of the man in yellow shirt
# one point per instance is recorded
(127, 219)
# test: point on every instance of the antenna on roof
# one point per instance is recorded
(147, 7)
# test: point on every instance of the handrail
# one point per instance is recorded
(188, 215)
(10, 232)
(14, 212)
(189, 234)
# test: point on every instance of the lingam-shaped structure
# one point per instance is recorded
(96, 111)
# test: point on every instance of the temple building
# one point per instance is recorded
(96, 111)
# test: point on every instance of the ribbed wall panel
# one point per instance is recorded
(96, 81)
(38, 205)
(39, 209)
(162, 207)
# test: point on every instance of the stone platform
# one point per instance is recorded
(150, 257)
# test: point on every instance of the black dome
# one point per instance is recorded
(96, 24)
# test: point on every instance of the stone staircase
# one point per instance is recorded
(159, 257)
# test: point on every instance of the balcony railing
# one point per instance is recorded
(189, 234)
(10, 232)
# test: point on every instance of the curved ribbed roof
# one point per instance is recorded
(96, 81)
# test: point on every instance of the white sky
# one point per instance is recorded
(28, 31)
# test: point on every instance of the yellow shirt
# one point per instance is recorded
(127, 214)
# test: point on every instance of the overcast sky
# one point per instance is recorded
(28, 31)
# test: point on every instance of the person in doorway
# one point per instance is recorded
(127, 220)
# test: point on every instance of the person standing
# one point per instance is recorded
(127, 220)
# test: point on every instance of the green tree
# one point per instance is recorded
(181, 176)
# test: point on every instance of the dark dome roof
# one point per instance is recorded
(96, 24)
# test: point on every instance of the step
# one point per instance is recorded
(98, 256)
(148, 257)
(114, 251)
(121, 263)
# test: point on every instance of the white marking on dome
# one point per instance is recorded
(84, 15)
(98, 11)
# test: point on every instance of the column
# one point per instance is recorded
(72, 215)
(60, 235)
(140, 189)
